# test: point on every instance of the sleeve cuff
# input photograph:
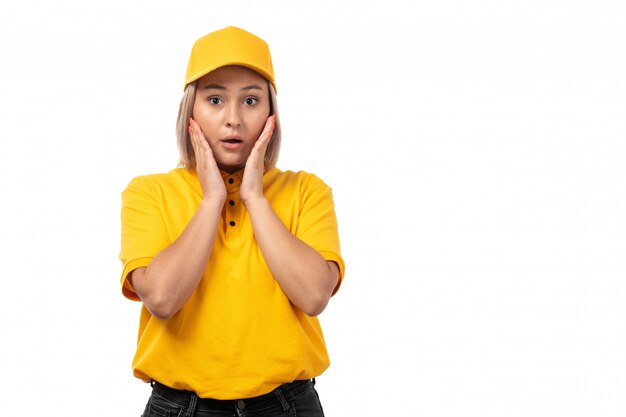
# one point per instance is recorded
(127, 288)
(332, 256)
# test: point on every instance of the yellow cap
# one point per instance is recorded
(229, 46)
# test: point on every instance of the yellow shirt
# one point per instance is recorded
(237, 336)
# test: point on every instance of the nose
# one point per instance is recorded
(233, 119)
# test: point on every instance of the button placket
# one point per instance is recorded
(231, 212)
(232, 186)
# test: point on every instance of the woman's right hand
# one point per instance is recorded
(211, 180)
(173, 275)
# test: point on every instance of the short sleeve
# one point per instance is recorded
(317, 222)
(143, 231)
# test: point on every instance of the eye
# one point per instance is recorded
(251, 101)
(215, 100)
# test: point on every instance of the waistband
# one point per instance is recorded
(281, 396)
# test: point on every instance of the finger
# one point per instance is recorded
(266, 135)
(203, 149)
(199, 134)
(268, 129)
(196, 143)
(192, 135)
(203, 141)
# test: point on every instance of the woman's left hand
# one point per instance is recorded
(252, 183)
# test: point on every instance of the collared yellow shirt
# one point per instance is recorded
(238, 335)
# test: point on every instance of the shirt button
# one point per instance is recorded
(232, 223)
(231, 202)
(241, 404)
(230, 180)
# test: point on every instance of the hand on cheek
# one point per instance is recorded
(252, 183)
(208, 173)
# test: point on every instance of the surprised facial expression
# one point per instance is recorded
(231, 106)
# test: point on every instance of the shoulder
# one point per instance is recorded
(296, 179)
(161, 181)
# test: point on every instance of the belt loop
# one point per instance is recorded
(279, 393)
(193, 400)
(313, 381)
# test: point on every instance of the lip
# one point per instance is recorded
(231, 145)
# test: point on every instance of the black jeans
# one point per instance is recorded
(296, 399)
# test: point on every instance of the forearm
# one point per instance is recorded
(173, 275)
(304, 275)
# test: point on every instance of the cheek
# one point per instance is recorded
(259, 123)
(205, 118)
(199, 111)
(196, 107)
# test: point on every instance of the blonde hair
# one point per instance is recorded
(185, 111)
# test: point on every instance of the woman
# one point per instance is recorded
(232, 258)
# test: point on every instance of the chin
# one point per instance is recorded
(231, 162)
(230, 167)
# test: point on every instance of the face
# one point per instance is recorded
(231, 106)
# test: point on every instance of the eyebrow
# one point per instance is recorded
(221, 87)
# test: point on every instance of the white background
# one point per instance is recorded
(476, 151)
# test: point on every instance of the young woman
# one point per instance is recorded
(232, 258)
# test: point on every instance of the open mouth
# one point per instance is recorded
(232, 140)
